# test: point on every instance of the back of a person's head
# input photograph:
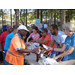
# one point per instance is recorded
(54, 26)
(15, 27)
(8, 26)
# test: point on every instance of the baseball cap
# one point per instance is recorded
(22, 27)
(5, 26)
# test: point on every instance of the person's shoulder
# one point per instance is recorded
(38, 34)
(67, 37)
(73, 35)
(48, 35)
(61, 33)
(16, 36)
(52, 35)
(10, 35)
(3, 33)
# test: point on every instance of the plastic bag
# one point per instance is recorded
(48, 61)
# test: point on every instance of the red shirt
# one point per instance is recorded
(3, 38)
(48, 37)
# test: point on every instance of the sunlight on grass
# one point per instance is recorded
(73, 21)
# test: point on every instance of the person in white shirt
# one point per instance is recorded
(58, 37)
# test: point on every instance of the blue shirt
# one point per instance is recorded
(8, 41)
(70, 41)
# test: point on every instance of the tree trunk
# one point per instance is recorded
(55, 17)
(17, 16)
(21, 17)
(37, 13)
(11, 16)
(41, 15)
(26, 17)
(62, 18)
(2, 17)
(69, 15)
(46, 17)
(51, 18)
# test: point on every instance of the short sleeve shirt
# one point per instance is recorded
(34, 37)
(60, 38)
(2, 38)
(17, 43)
(8, 41)
(48, 37)
(70, 41)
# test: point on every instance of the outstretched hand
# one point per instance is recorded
(50, 48)
(36, 50)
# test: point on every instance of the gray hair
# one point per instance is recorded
(8, 26)
(69, 26)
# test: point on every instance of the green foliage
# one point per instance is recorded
(47, 12)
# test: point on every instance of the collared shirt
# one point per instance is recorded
(13, 55)
(20, 36)
(17, 42)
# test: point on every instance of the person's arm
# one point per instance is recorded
(28, 38)
(52, 43)
(65, 53)
(40, 39)
(58, 49)
(1, 39)
(27, 51)
(17, 44)
(42, 42)
(62, 44)
(1, 47)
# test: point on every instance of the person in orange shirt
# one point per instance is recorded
(15, 54)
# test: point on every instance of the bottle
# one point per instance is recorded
(37, 57)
